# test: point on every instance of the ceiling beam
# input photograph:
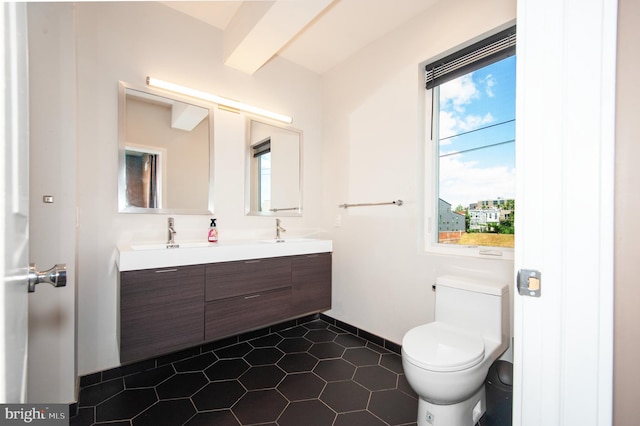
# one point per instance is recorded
(187, 117)
(260, 29)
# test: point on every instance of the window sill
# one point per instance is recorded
(479, 252)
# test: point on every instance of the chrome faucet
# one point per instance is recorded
(279, 229)
(172, 234)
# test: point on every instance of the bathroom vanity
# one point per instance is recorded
(177, 305)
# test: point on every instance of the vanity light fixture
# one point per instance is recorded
(224, 102)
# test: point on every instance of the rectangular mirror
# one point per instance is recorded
(165, 153)
(274, 170)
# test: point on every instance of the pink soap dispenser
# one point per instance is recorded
(213, 232)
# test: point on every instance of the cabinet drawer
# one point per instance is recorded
(159, 286)
(160, 311)
(231, 279)
(243, 313)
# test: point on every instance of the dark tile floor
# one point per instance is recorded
(310, 374)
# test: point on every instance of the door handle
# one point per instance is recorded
(252, 296)
(56, 276)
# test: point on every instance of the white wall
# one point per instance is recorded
(373, 135)
(118, 41)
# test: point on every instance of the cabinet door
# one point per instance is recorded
(243, 313)
(311, 283)
(231, 279)
(160, 311)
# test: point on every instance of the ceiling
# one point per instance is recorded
(316, 34)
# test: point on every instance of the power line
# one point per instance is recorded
(477, 148)
(478, 129)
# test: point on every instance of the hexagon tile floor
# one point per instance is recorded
(310, 374)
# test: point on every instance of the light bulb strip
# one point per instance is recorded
(172, 87)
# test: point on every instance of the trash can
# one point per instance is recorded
(499, 390)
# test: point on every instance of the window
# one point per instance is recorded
(473, 116)
(262, 159)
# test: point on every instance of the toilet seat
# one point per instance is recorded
(441, 347)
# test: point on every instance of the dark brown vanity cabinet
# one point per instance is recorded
(246, 294)
(310, 283)
(168, 309)
(161, 310)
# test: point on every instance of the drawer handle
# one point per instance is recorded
(162, 271)
(252, 261)
(253, 296)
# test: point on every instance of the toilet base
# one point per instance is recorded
(465, 413)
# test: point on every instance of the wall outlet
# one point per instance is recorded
(338, 221)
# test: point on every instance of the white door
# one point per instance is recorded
(20, 277)
(563, 340)
(15, 208)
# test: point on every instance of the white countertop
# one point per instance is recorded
(155, 255)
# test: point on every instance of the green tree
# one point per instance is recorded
(504, 227)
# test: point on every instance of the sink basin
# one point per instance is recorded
(288, 240)
(165, 246)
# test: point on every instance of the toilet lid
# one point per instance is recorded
(441, 347)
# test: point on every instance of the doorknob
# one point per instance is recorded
(56, 276)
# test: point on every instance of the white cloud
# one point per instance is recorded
(448, 124)
(465, 182)
(489, 82)
(455, 95)
(459, 92)
(470, 122)
(452, 124)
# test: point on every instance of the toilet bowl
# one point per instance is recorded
(447, 361)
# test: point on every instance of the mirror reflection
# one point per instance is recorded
(165, 154)
(274, 170)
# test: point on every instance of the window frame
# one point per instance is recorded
(432, 174)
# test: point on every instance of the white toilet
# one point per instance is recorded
(447, 361)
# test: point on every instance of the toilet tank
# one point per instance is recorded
(478, 305)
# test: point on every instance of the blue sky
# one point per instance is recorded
(483, 98)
